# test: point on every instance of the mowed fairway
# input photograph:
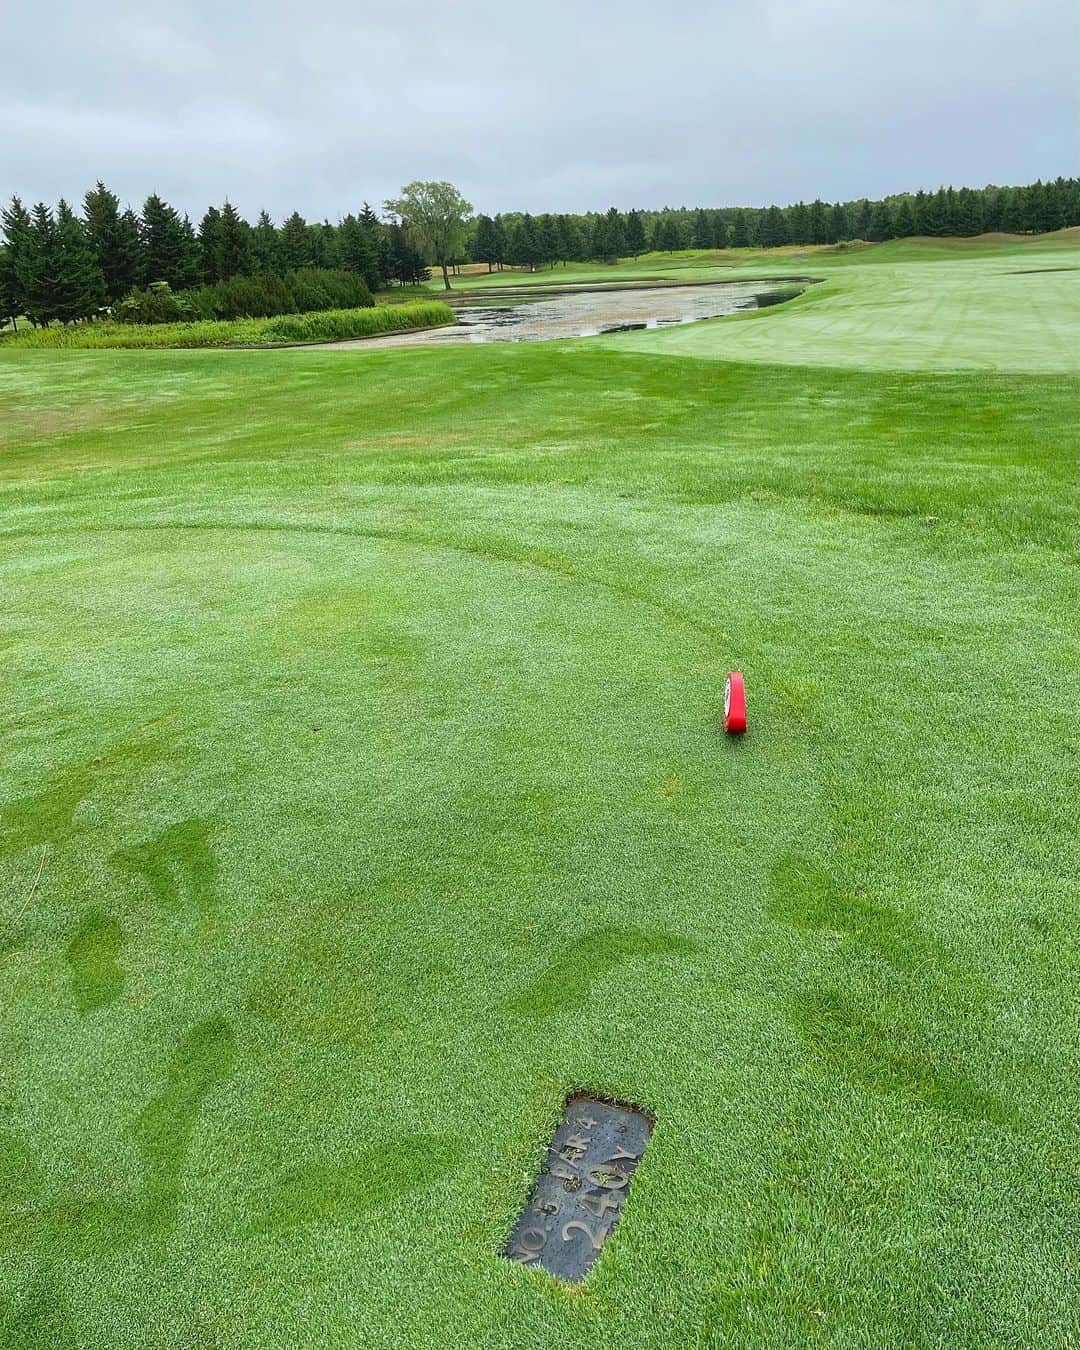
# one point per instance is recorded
(363, 793)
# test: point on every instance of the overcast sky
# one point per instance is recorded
(546, 106)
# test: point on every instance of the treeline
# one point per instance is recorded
(156, 266)
(62, 265)
(521, 240)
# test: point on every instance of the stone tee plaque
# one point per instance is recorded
(582, 1187)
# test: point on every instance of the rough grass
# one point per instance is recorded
(364, 708)
(324, 326)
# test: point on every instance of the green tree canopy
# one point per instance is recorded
(434, 213)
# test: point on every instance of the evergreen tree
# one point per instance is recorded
(485, 244)
(80, 285)
(798, 224)
(210, 247)
(935, 216)
(837, 225)
(903, 219)
(969, 215)
(42, 267)
(571, 240)
(547, 239)
(17, 257)
(406, 263)
(773, 228)
(702, 230)
(740, 230)
(320, 244)
(113, 238)
(295, 243)
(235, 243)
(1012, 211)
(522, 249)
(356, 252)
(881, 225)
(264, 245)
(635, 234)
(170, 248)
(817, 222)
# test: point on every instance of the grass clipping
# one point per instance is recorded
(332, 325)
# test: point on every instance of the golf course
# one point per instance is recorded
(365, 795)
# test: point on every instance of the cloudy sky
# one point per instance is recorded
(546, 106)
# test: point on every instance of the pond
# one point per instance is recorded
(543, 315)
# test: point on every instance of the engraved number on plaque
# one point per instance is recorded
(597, 1239)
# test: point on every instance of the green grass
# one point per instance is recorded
(329, 325)
(364, 707)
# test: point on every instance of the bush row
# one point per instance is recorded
(301, 291)
(327, 326)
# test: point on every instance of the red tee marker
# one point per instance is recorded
(734, 704)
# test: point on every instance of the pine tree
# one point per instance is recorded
(798, 223)
(547, 239)
(740, 230)
(42, 267)
(170, 248)
(969, 214)
(702, 230)
(485, 247)
(773, 228)
(837, 225)
(1012, 211)
(903, 219)
(295, 243)
(356, 252)
(80, 285)
(817, 222)
(571, 246)
(235, 245)
(210, 247)
(9, 305)
(113, 238)
(635, 234)
(616, 233)
(264, 245)
(881, 225)
(16, 223)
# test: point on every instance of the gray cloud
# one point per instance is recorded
(553, 106)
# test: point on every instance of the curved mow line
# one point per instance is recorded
(392, 537)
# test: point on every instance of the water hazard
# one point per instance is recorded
(543, 316)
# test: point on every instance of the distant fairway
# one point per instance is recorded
(964, 313)
(363, 795)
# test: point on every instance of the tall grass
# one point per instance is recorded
(333, 325)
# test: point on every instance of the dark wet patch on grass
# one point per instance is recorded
(870, 1055)
(20, 1176)
(40, 1317)
(46, 814)
(567, 982)
(178, 865)
(806, 896)
(342, 1193)
(202, 1060)
(96, 978)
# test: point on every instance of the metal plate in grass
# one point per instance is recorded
(582, 1187)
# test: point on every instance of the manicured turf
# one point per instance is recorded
(364, 709)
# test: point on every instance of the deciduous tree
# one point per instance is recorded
(434, 213)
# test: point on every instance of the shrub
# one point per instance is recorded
(330, 325)
(255, 297)
(158, 303)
